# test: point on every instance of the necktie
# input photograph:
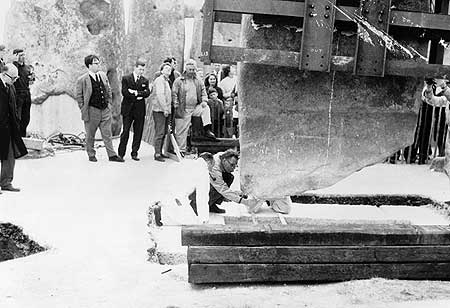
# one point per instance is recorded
(96, 78)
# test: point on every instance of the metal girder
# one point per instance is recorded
(317, 35)
(315, 54)
(228, 11)
(370, 48)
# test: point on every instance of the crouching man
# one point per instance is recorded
(221, 178)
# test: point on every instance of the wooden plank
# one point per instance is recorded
(318, 254)
(231, 55)
(313, 235)
(317, 35)
(418, 69)
(270, 7)
(228, 17)
(239, 220)
(33, 143)
(420, 20)
(225, 273)
(223, 142)
(207, 31)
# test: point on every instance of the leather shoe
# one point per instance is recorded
(210, 134)
(215, 209)
(116, 159)
(92, 158)
(10, 188)
(159, 158)
(164, 156)
(135, 158)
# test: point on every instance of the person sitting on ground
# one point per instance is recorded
(216, 107)
(211, 81)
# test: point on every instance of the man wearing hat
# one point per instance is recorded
(22, 85)
(11, 144)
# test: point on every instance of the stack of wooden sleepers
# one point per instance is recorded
(308, 253)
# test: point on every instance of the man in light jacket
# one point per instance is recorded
(94, 97)
(190, 100)
(161, 105)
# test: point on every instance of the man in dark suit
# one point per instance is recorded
(94, 97)
(135, 89)
(11, 143)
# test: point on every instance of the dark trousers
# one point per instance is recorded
(214, 196)
(7, 169)
(137, 120)
(161, 127)
(423, 131)
(23, 101)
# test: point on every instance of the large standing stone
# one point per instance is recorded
(57, 35)
(155, 32)
(304, 130)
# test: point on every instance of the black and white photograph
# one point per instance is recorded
(225, 153)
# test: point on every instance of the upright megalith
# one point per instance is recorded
(57, 35)
(155, 32)
(303, 130)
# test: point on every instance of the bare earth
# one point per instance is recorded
(93, 218)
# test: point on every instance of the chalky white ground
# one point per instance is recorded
(92, 216)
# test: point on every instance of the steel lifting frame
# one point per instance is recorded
(318, 25)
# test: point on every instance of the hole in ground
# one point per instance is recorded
(15, 244)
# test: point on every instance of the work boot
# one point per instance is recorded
(10, 188)
(158, 157)
(116, 159)
(215, 209)
(208, 132)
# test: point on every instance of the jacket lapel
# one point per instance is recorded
(88, 86)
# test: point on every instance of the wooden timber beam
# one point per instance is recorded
(231, 55)
(229, 11)
(315, 235)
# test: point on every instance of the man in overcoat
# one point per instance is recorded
(11, 143)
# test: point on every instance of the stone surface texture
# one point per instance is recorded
(155, 32)
(303, 130)
(57, 35)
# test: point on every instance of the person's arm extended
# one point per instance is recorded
(222, 188)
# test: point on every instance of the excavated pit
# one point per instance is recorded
(15, 244)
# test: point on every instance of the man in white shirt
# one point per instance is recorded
(189, 204)
(94, 97)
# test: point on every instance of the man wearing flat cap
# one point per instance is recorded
(22, 85)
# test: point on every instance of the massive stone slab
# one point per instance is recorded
(155, 32)
(57, 35)
(304, 130)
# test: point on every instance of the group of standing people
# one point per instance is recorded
(14, 102)
(174, 98)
